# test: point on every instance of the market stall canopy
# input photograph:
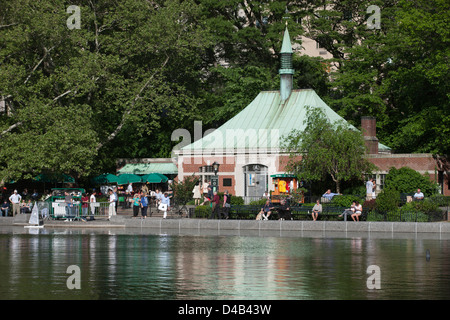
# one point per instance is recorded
(147, 168)
(104, 178)
(154, 178)
(128, 178)
(283, 175)
(54, 177)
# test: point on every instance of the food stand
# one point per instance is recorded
(284, 185)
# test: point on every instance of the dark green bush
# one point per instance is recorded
(388, 200)
(407, 180)
(202, 211)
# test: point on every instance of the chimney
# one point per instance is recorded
(369, 129)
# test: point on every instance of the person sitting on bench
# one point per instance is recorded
(284, 211)
(265, 212)
(349, 211)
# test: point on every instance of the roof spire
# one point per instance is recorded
(286, 71)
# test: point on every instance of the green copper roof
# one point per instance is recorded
(263, 123)
(147, 168)
(286, 46)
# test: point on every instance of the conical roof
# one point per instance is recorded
(263, 123)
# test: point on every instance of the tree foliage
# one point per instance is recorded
(407, 180)
(326, 149)
(136, 70)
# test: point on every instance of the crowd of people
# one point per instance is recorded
(142, 199)
(205, 191)
(13, 203)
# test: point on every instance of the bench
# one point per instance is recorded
(249, 212)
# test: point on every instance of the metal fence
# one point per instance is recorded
(76, 211)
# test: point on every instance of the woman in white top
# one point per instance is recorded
(197, 194)
(112, 204)
(358, 211)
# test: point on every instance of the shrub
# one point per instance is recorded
(388, 200)
(202, 211)
(370, 205)
(407, 180)
(260, 202)
(237, 201)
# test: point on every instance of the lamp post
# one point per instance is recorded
(215, 178)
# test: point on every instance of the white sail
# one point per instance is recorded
(34, 219)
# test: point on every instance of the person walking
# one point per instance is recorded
(215, 206)
(15, 199)
(226, 204)
(164, 205)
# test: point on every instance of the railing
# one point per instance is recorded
(77, 211)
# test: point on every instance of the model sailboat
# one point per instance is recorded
(34, 218)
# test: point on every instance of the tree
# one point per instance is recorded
(183, 189)
(407, 180)
(397, 73)
(326, 148)
(77, 98)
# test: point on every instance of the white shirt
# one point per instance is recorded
(15, 198)
(369, 187)
(418, 195)
(92, 198)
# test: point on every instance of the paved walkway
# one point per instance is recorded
(124, 219)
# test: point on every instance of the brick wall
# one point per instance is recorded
(423, 163)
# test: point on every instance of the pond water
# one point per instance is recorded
(114, 264)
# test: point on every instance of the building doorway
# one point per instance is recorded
(256, 180)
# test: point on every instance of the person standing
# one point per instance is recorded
(144, 205)
(112, 204)
(92, 200)
(197, 194)
(136, 204)
(205, 188)
(15, 199)
(84, 206)
(158, 196)
(68, 199)
(369, 189)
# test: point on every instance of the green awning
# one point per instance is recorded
(283, 175)
(104, 178)
(128, 178)
(147, 168)
(154, 178)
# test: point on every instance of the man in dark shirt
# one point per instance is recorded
(5, 208)
(215, 206)
(284, 211)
